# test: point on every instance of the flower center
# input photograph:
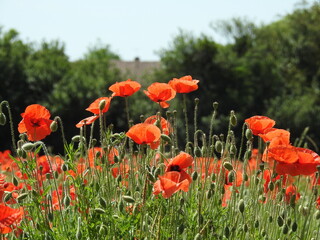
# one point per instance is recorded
(175, 168)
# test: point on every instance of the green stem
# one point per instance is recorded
(186, 116)
(14, 146)
(127, 111)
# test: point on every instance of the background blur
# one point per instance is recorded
(64, 55)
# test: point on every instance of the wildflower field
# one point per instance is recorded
(146, 183)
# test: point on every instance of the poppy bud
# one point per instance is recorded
(270, 219)
(64, 167)
(15, 181)
(209, 194)
(101, 230)
(94, 142)
(22, 197)
(120, 206)
(197, 152)
(194, 176)
(165, 138)
(212, 186)
(245, 177)
(54, 126)
(75, 138)
(233, 118)
(215, 105)
(102, 104)
(263, 232)
(7, 197)
(285, 229)
(196, 101)
(227, 232)
(317, 215)
(56, 174)
(249, 135)
(228, 166)
(280, 221)
(241, 206)
(233, 149)
(181, 229)
(3, 119)
(256, 223)
(245, 228)
(99, 210)
(231, 177)
(27, 146)
(119, 178)
(67, 201)
(151, 177)
(213, 177)
(271, 186)
(103, 202)
(128, 199)
(142, 118)
(218, 146)
(78, 233)
(247, 155)
(50, 216)
(294, 227)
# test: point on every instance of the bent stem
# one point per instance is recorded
(6, 103)
(58, 119)
(186, 116)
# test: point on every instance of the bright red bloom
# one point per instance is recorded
(184, 85)
(170, 183)
(276, 137)
(165, 125)
(125, 88)
(144, 133)
(179, 163)
(291, 191)
(160, 93)
(35, 122)
(259, 124)
(9, 218)
(87, 121)
(94, 107)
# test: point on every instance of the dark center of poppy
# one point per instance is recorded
(35, 123)
(175, 168)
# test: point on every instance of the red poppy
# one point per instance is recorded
(35, 122)
(94, 107)
(259, 124)
(170, 183)
(291, 191)
(87, 121)
(144, 133)
(184, 85)
(179, 163)
(125, 88)
(160, 93)
(276, 137)
(9, 218)
(165, 125)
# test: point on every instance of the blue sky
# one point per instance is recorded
(131, 28)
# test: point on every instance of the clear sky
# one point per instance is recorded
(131, 27)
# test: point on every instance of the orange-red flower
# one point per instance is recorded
(144, 133)
(165, 125)
(94, 107)
(170, 183)
(9, 218)
(184, 85)
(87, 121)
(125, 88)
(276, 137)
(35, 122)
(291, 191)
(160, 93)
(259, 124)
(179, 163)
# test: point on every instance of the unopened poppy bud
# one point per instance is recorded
(215, 105)
(249, 135)
(293, 200)
(67, 201)
(233, 118)
(231, 177)
(120, 206)
(294, 227)
(56, 174)
(270, 219)
(194, 176)
(263, 232)
(50, 216)
(21, 153)
(256, 223)
(99, 210)
(54, 126)
(102, 104)
(241, 205)
(151, 177)
(128, 199)
(245, 177)
(196, 101)
(209, 194)
(228, 166)
(233, 149)
(213, 177)
(64, 167)
(15, 181)
(285, 229)
(103, 202)
(247, 155)
(3, 119)
(7, 197)
(245, 228)
(142, 118)
(271, 186)
(280, 221)
(75, 138)
(181, 228)
(101, 230)
(27, 146)
(94, 142)
(213, 186)
(165, 138)
(218, 146)
(119, 178)
(197, 152)
(317, 215)
(22, 197)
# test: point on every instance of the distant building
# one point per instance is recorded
(136, 69)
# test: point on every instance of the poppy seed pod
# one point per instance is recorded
(249, 134)
(128, 199)
(228, 166)
(215, 105)
(22, 197)
(233, 119)
(102, 104)
(54, 126)
(218, 146)
(27, 146)
(241, 206)
(3, 119)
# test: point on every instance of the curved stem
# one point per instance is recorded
(186, 116)
(14, 146)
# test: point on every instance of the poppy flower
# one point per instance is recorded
(259, 124)
(179, 163)
(94, 107)
(35, 122)
(165, 125)
(184, 84)
(160, 93)
(276, 137)
(170, 183)
(125, 88)
(291, 191)
(9, 218)
(144, 133)
(87, 121)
